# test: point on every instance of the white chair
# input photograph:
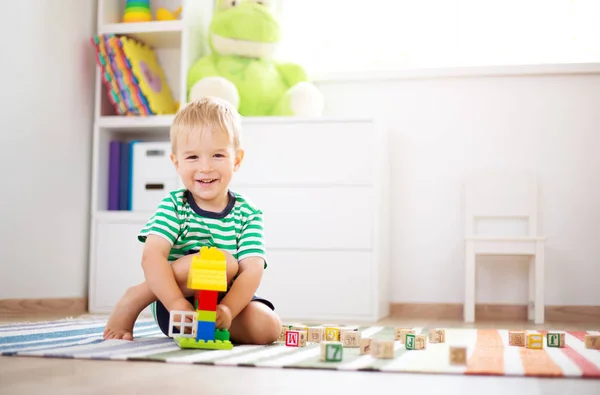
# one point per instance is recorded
(504, 203)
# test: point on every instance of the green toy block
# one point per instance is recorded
(188, 342)
(555, 339)
(410, 341)
(332, 351)
(137, 10)
(137, 4)
(208, 316)
(222, 334)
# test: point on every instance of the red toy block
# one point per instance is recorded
(207, 300)
(292, 338)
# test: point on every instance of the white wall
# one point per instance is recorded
(47, 73)
(441, 129)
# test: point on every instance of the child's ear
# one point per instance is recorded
(239, 157)
(175, 161)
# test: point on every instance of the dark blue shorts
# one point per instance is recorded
(161, 314)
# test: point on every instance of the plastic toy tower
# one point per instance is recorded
(137, 11)
(207, 276)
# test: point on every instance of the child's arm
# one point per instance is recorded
(245, 285)
(159, 274)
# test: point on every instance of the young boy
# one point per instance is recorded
(206, 151)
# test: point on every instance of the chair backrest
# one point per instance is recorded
(501, 203)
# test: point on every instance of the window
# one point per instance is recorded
(359, 35)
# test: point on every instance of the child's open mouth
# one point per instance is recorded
(207, 181)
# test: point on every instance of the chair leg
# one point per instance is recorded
(531, 299)
(539, 284)
(469, 306)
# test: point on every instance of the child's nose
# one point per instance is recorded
(204, 165)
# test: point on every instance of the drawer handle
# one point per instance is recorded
(151, 187)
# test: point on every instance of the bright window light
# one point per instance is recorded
(359, 35)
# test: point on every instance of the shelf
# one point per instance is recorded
(122, 216)
(152, 123)
(163, 34)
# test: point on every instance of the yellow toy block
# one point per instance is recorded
(534, 340)
(332, 334)
(208, 270)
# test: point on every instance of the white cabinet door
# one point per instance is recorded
(116, 263)
(315, 218)
(319, 285)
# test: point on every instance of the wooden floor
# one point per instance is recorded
(27, 375)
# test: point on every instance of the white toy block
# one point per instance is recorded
(185, 321)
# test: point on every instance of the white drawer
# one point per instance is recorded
(315, 218)
(309, 153)
(323, 285)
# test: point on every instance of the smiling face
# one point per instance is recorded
(245, 28)
(206, 150)
(206, 161)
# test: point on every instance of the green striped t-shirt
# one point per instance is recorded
(238, 229)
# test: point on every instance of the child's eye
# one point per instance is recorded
(219, 156)
(192, 157)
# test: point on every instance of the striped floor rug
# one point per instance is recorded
(488, 351)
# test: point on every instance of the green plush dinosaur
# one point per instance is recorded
(243, 37)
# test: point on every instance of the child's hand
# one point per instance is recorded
(182, 305)
(223, 320)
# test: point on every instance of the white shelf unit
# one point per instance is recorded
(324, 277)
(177, 44)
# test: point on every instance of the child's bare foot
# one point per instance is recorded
(122, 319)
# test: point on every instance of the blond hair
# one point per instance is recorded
(208, 114)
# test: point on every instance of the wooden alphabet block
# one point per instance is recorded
(365, 345)
(555, 339)
(516, 338)
(416, 342)
(437, 336)
(534, 340)
(350, 339)
(400, 334)
(458, 355)
(592, 341)
(295, 338)
(299, 327)
(331, 351)
(284, 329)
(316, 334)
(332, 334)
(344, 329)
(382, 349)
